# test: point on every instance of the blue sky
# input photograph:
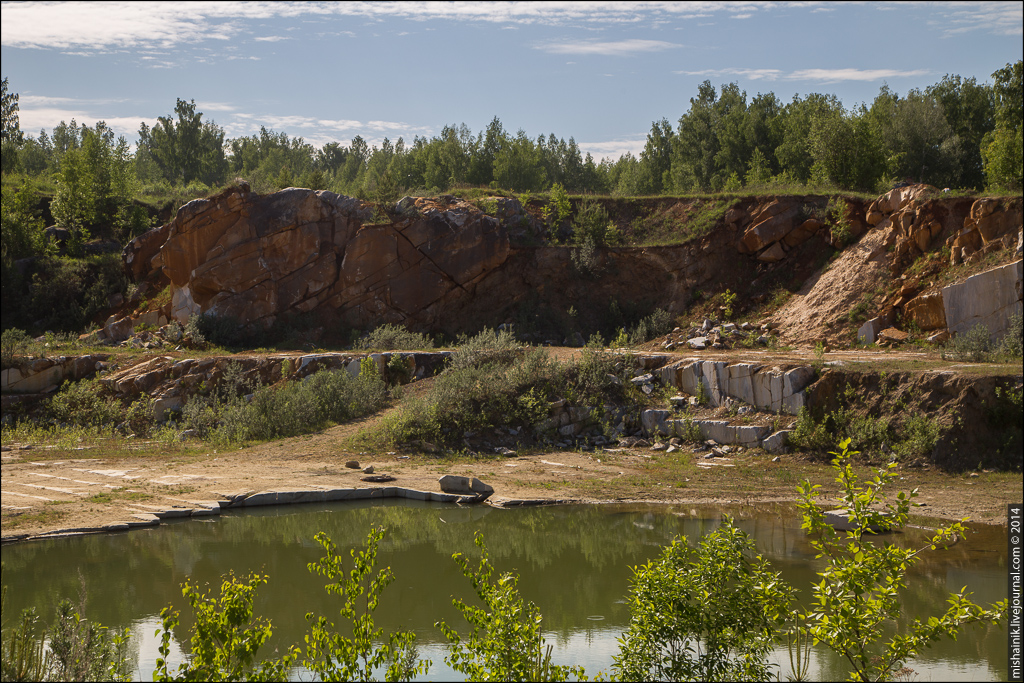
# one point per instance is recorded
(599, 72)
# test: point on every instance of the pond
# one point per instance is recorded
(573, 561)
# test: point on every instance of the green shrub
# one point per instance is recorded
(505, 643)
(918, 436)
(703, 614)
(193, 331)
(857, 601)
(14, 342)
(560, 200)
(301, 407)
(591, 224)
(654, 325)
(972, 345)
(489, 346)
(1012, 343)
(390, 337)
(83, 404)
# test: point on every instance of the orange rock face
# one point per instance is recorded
(255, 257)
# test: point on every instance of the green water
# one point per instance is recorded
(573, 562)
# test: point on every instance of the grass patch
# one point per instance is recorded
(119, 496)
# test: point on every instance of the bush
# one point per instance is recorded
(918, 436)
(708, 613)
(591, 224)
(654, 325)
(14, 342)
(505, 643)
(83, 404)
(302, 407)
(1012, 343)
(858, 597)
(485, 348)
(972, 345)
(390, 337)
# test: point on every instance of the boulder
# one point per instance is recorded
(926, 311)
(451, 483)
(771, 228)
(772, 254)
(891, 335)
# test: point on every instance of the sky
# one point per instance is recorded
(599, 72)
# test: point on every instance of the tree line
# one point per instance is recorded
(957, 133)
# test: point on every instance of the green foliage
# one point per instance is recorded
(23, 656)
(1001, 149)
(708, 613)
(186, 149)
(76, 650)
(591, 223)
(862, 579)
(505, 643)
(83, 650)
(560, 202)
(96, 184)
(225, 636)
(651, 326)
(296, 408)
(976, 344)
(14, 342)
(728, 299)
(703, 396)
(334, 657)
(390, 337)
(22, 228)
(84, 404)
(67, 293)
(485, 348)
(918, 436)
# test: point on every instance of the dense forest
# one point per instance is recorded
(90, 183)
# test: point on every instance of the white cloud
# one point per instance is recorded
(214, 106)
(613, 149)
(616, 48)
(33, 119)
(271, 39)
(752, 74)
(835, 75)
(821, 75)
(113, 25)
(742, 16)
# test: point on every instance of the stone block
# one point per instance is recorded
(989, 298)
(776, 443)
(689, 376)
(741, 385)
(656, 422)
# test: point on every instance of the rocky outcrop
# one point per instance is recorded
(255, 257)
(41, 375)
(434, 265)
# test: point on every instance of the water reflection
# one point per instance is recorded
(573, 562)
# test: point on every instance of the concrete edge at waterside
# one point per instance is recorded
(145, 516)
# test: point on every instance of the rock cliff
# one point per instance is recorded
(442, 264)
